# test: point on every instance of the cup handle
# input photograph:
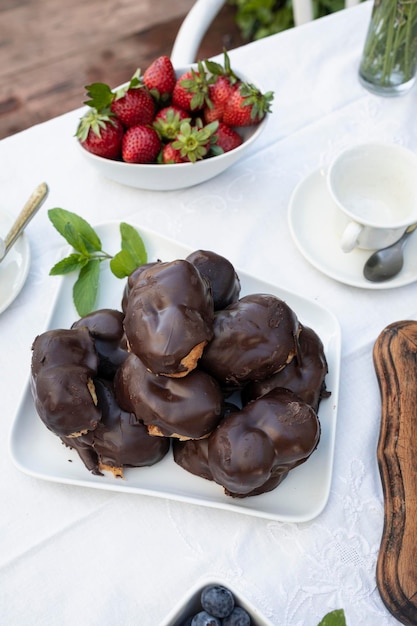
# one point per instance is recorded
(350, 236)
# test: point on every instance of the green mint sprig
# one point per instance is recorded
(89, 254)
(334, 618)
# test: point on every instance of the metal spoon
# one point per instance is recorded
(387, 262)
(31, 207)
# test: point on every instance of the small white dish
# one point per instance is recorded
(302, 495)
(190, 605)
(316, 227)
(14, 268)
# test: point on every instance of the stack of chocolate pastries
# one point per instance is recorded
(229, 385)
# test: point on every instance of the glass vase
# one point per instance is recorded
(389, 60)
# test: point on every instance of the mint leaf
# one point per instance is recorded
(86, 287)
(335, 618)
(89, 254)
(122, 264)
(133, 252)
(77, 240)
(132, 242)
(76, 230)
(70, 264)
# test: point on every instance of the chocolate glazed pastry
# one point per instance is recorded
(131, 281)
(119, 440)
(305, 375)
(192, 455)
(186, 408)
(106, 328)
(224, 282)
(64, 363)
(253, 339)
(253, 450)
(169, 317)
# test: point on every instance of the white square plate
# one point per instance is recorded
(301, 496)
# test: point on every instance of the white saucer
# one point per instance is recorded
(15, 267)
(316, 227)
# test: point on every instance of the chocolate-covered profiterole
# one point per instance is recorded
(106, 328)
(251, 451)
(119, 441)
(253, 339)
(192, 455)
(224, 281)
(186, 408)
(305, 375)
(131, 281)
(169, 317)
(64, 363)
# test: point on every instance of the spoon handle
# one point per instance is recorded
(32, 205)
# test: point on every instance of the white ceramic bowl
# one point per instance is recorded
(190, 605)
(177, 175)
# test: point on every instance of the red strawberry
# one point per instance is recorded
(168, 120)
(220, 90)
(133, 104)
(227, 138)
(246, 106)
(193, 142)
(101, 134)
(141, 144)
(219, 93)
(160, 78)
(191, 89)
(171, 154)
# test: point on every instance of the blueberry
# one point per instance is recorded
(217, 600)
(204, 619)
(238, 617)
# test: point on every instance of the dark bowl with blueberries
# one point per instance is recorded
(215, 604)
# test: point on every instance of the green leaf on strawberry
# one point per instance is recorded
(217, 69)
(134, 83)
(193, 142)
(89, 255)
(196, 85)
(260, 103)
(101, 96)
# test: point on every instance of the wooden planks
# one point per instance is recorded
(49, 50)
(42, 30)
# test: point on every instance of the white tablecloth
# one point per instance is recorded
(71, 555)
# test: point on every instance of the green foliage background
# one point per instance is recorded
(260, 18)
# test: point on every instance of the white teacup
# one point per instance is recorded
(375, 187)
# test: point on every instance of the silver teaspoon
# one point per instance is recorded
(32, 205)
(387, 262)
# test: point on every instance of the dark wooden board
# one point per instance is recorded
(395, 360)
